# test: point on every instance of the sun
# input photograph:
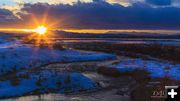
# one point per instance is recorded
(41, 30)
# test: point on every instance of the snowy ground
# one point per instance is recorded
(100, 95)
(15, 56)
(19, 58)
(44, 82)
(155, 68)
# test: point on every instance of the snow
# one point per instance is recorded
(7, 90)
(67, 82)
(155, 68)
(18, 57)
(2, 40)
(14, 55)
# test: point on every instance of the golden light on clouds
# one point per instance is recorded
(124, 3)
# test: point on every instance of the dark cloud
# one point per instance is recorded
(102, 15)
(6, 17)
(160, 2)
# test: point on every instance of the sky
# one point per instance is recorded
(91, 14)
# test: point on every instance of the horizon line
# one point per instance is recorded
(97, 31)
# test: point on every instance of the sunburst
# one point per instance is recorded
(41, 30)
(43, 33)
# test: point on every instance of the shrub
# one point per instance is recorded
(67, 80)
(15, 82)
(25, 76)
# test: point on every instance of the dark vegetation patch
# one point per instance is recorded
(165, 52)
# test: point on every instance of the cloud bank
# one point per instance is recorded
(100, 14)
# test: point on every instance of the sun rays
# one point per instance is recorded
(41, 30)
(42, 34)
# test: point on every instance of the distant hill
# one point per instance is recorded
(64, 34)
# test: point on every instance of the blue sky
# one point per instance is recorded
(93, 14)
(7, 2)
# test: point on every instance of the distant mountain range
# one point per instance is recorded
(64, 34)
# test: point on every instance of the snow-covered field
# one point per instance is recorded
(155, 68)
(45, 81)
(15, 56)
(19, 58)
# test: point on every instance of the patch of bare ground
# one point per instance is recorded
(88, 66)
(112, 89)
(166, 52)
(152, 89)
(144, 88)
